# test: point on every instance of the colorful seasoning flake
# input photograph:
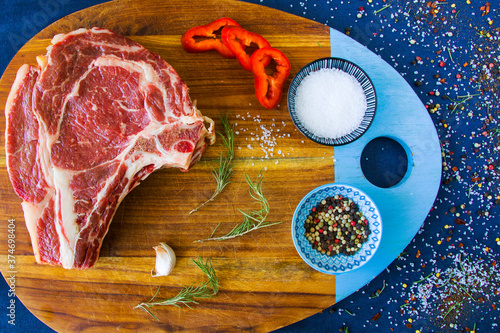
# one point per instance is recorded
(337, 226)
(449, 52)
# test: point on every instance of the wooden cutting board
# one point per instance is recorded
(264, 283)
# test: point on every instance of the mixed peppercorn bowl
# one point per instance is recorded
(347, 228)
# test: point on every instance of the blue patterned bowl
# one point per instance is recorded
(339, 263)
(349, 68)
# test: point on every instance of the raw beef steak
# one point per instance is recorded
(98, 115)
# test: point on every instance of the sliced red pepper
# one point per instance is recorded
(191, 42)
(237, 39)
(268, 89)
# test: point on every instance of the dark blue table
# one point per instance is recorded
(447, 279)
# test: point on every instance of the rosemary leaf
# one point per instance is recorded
(447, 281)
(188, 294)
(451, 308)
(217, 227)
(460, 263)
(254, 219)
(350, 313)
(378, 292)
(381, 9)
(467, 292)
(224, 172)
(449, 53)
(423, 279)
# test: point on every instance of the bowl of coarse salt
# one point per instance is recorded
(332, 101)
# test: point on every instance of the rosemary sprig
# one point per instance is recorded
(463, 99)
(254, 219)
(188, 294)
(225, 171)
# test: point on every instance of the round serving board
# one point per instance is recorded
(264, 284)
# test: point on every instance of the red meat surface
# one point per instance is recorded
(99, 114)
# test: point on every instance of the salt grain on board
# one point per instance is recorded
(330, 103)
(266, 136)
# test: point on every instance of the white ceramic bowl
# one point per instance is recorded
(349, 68)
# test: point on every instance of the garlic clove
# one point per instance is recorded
(165, 260)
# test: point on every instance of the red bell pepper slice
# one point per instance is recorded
(237, 39)
(191, 42)
(268, 89)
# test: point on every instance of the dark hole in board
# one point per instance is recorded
(384, 162)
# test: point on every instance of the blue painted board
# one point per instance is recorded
(400, 116)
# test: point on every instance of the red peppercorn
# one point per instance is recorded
(320, 230)
(491, 167)
(353, 223)
(441, 63)
(336, 241)
(313, 209)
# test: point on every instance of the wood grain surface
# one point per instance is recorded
(264, 283)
